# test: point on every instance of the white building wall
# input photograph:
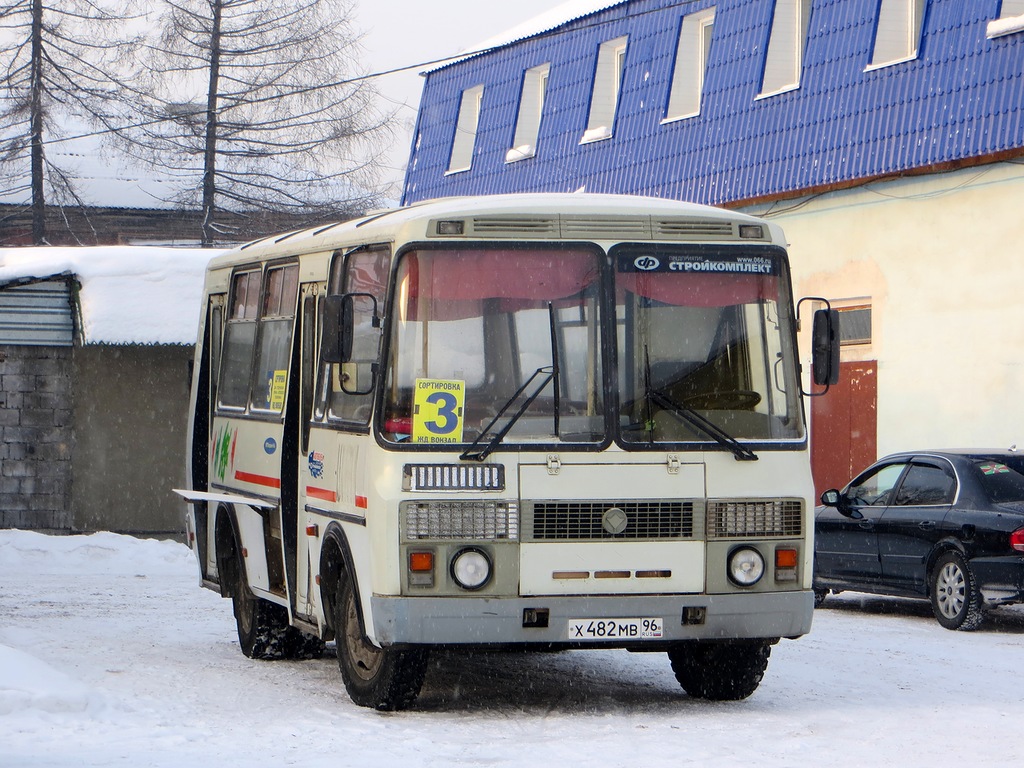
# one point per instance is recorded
(941, 259)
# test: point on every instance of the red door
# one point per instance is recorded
(844, 426)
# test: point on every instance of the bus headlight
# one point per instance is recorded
(471, 568)
(746, 566)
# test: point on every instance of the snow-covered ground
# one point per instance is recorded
(112, 655)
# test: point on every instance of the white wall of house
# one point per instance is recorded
(940, 258)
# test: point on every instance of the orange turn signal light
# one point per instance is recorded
(421, 561)
(785, 558)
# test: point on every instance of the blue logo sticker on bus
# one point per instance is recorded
(316, 464)
(270, 445)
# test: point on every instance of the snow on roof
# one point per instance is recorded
(129, 294)
(571, 10)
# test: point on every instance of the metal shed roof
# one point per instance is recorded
(37, 313)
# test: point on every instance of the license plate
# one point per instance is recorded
(615, 629)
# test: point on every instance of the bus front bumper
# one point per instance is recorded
(546, 620)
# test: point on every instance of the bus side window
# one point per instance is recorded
(239, 340)
(276, 319)
(364, 270)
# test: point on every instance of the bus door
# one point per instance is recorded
(206, 375)
(248, 432)
(335, 440)
(307, 465)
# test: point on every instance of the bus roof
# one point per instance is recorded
(528, 216)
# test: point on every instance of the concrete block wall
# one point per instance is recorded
(36, 439)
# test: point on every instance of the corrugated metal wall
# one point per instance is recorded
(962, 97)
(38, 314)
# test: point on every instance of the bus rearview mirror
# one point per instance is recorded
(825, 347)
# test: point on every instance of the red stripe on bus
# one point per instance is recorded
(249, 477)
(361, 502)
(321, 493)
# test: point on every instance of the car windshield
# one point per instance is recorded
(1002, 479)
(495, 344)
(702, 336)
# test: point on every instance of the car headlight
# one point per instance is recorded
(471, 568)
(746, 566)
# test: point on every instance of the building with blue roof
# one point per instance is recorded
(885, 136)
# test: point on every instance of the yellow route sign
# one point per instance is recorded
(438, 409)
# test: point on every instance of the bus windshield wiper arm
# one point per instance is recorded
(474, 453)
(694, 419)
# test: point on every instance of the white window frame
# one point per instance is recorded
(898, 34)
(1011, 19)
(688, 74)
(466, 126)
(604, 99)
(531, 111)
(784, 59)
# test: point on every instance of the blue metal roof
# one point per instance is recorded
(959, 101)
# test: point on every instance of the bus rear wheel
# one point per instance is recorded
(263, 628)
(720, 671)
(381, 678)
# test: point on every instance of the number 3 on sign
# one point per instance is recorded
(438, 411)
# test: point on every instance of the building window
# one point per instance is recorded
(899, 31)
(1011, 19)
(691, 63)
(784, 60)
(854, 325)
(531, 107)
(465, 130)
(611, 62)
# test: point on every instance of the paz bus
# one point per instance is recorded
(532, 421)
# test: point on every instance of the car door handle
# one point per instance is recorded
(926, 525)
(866, 524)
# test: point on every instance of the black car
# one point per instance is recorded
(941, 525)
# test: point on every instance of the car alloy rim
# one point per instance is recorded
(950, 590)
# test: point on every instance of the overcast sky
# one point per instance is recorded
(400, 33)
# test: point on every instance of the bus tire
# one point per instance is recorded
(381, 678)
(720, 671)
(263, 629)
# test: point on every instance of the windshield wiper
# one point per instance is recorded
(690, 416)
(694, 419)
(472, 453)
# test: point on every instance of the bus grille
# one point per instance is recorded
(742, 519)
(587, 521)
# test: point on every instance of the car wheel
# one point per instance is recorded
(956, 600)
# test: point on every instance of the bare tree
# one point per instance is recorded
(253, 109)
(59, 61)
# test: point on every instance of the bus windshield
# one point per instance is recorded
(702, 336)
(495, 338)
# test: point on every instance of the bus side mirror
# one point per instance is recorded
(341, 314)
(332, 339)
(825, 347)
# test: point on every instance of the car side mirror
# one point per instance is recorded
(830, 498)
(833, 498)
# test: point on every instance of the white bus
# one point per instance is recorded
(530, 421)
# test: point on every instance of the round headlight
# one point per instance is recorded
(746, 567)
(471, 568)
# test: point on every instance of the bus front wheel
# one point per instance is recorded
(720, 671)
(382, 678)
